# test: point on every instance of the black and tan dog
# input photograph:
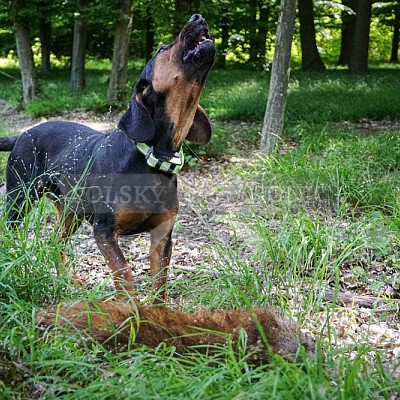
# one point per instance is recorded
(123, 182)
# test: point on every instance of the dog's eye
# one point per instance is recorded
(162, 48)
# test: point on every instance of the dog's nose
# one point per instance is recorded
(196, 18)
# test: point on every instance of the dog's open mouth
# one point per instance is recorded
(199, 47)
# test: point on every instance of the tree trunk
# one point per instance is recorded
(222, 49)
(358, 63)
(79, 48)
(119, 73)
(45, 41)
(149, 33)
(348, 26)
(258, 31)
(275, 110)
(253, 51)
(394, 57)
(24, 51)
(311, 60)
(265, 11)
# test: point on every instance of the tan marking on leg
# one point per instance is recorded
(160, 254)
(122, 272)
(70, 223)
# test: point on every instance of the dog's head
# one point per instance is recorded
(165, 106)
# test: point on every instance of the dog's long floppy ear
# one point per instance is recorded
(200, 131)
(137, 122)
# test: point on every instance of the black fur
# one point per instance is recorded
(103, 177)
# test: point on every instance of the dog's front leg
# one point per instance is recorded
(107, 242)
(160, 255)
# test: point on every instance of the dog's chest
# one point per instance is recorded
(129, 221)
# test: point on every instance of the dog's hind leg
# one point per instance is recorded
(24, 187)
(17, 207)
(69, 222)
(19, 202)
(160, 255)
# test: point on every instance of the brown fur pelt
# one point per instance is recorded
(113, 323)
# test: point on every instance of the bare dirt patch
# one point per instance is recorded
(18, 121)
(370, 126)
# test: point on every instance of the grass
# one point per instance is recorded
(322, 211)
(342, 168)
(238, 94)
(30, 266)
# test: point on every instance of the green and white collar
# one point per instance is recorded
(162, 162)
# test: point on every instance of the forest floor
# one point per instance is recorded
(210, 201)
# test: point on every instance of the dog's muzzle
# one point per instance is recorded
(198, 46)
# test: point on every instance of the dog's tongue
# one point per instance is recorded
(201, 39)
(196, 45)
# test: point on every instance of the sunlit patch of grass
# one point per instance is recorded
(342, 170)
(237, 94)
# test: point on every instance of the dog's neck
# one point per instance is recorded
(159, 154)
(162, 159)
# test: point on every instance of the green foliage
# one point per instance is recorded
(328, 204)
(61, 368)
(29, 266)
(235, 25)
(55, 96)
(236, 94)
(239, 94)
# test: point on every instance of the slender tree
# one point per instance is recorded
(348, 26)
(253, 32)
(311, 60)
(258, 30)
(45, 11)
(275, 110)
(24, 49)
(224, 23)
(79, 47)
(119, 73)
(45, 41)
(265, 12)
(149, 33)
(358, 62)
(394, 56)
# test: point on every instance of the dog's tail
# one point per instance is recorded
(8, 143)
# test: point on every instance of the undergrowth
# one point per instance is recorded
(326, 208)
